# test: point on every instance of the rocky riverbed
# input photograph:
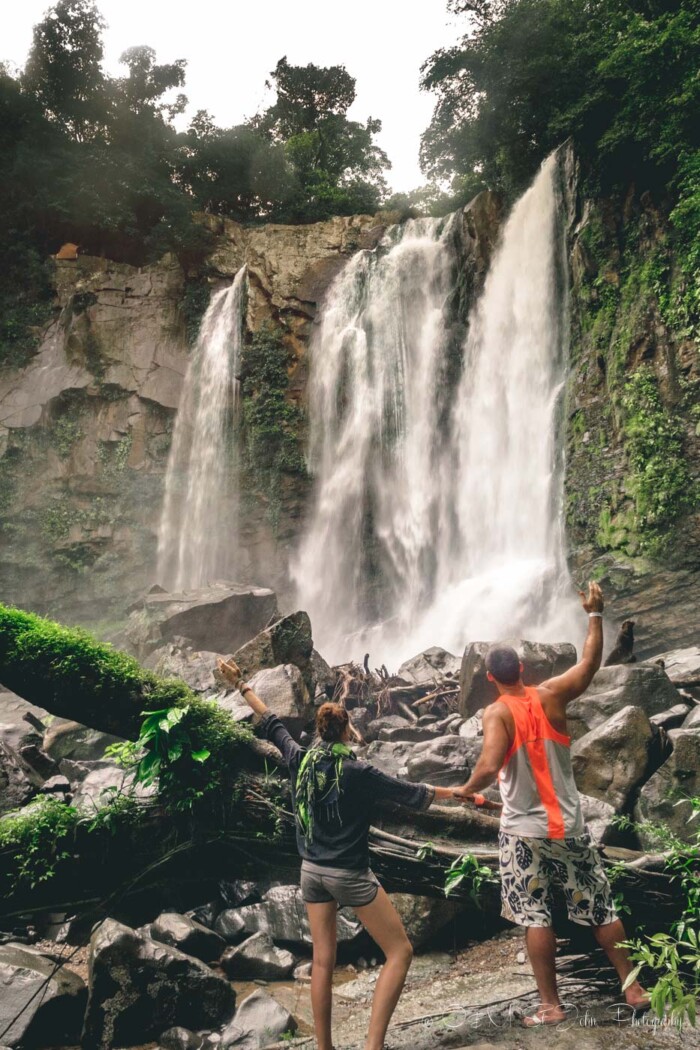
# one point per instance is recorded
(230, 967)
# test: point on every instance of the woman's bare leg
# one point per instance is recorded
(384, 926)
(323, 924)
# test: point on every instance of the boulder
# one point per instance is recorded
(219, 618)
(140, 987)
(412, 732)
(473, 727)
(446, 761)
(450, 725)
(671, 719)
(599, 816)
(44, 1008)
(205, 914)
(682, 666)
(238, 892)
(77, 742)
(102, 781)
(661, 800)
(282, 916)
(389, 756)
(15, 729)
(257, 958)
(323, 678)
(361, 718)
(692, 720)
(58, 785)
(17, 785)
(230, 925)
(540, 663)
(375, 728)
(286, 641)
(260, 1021)
(179, 1038)
(643, 685)
(285, 693)
(612, 760)
(429, 666)
(38, 761)
(424, 917)
(188, 936)
(194, 666)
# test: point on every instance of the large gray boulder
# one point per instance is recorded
(286, 641)
(257, 959)
(424, 917)
(284, 691)
(540, 662)
(77, 742)
(599, 817)
(432, 665)
(446, 761)
(282, 916)
(101, 783)
(391, 756)
(612, 760)
(323, 678)
(219, 618)
(45, 1007)
(230, 925)
(682, 666)
(661, 800)
(17, 784)
(194, 666)
(692, 719)
(260, 1021)
(377, 726)
(139, 988)
(642, 685)
(412, 732)
(15, 730)
(188, 935)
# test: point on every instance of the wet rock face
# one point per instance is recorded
(16, 786)
(45, 1008)
(540, 662)
(287, 641)
(139, 988)
(642, 685)
(282, 916)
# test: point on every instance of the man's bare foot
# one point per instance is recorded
(545, 1015)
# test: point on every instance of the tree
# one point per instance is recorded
(64, 72)
(336, 162)
(619, 76)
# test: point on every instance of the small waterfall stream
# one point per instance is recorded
(197, 535)
(437, 515)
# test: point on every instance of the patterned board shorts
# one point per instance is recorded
(529, 866)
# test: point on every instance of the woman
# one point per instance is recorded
(334, 795)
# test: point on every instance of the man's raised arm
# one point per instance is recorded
(568, 686)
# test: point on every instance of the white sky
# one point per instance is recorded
(231, 47)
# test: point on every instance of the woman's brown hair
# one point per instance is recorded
(332, 721)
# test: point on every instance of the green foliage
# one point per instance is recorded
(271, 422)
(38, 837)
(660, 482)
(65, 433)
(618, 76)
(468, 869)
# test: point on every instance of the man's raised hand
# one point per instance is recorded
(593, 601)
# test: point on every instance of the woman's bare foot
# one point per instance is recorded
(545, 1014)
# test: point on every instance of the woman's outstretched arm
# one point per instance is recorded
(230, 670)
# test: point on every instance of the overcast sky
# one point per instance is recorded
(231, 47)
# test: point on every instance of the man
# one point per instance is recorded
(543, 837)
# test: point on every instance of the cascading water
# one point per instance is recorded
(197, 536)
(437, 509)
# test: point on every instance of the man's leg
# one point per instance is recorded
(609, 937)
(541, 948)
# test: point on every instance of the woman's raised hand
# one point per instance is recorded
(229, 670)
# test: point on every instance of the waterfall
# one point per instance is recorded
(437, 513)
(197, 535)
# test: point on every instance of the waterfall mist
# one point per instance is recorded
(198, 527)
(437, 513)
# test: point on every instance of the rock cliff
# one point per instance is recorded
(632, 485)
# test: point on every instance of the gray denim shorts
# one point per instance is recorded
(351, 888)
